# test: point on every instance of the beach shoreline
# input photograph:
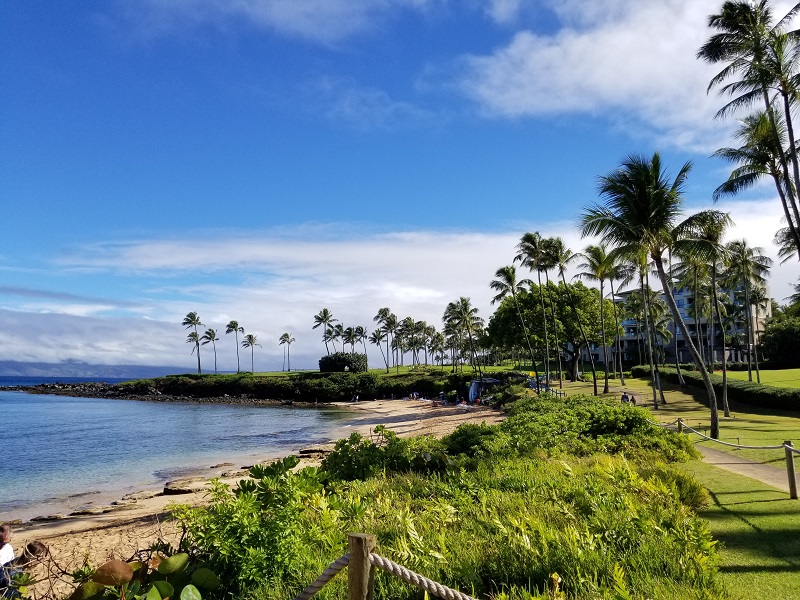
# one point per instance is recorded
(140, 519)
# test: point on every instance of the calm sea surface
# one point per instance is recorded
(61, 453)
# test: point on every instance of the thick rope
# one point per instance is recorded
(437, 589)
(328, 574)
(702, 435)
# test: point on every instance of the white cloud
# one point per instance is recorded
(322, 21)
(273, 282)
(633, 62)
(503, 11)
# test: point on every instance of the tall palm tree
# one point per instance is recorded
(234, 328)
(747, 266)
(761, 52)
(562, 256)
(210, 337)
(192, 320)
(193, 338)
(532, 253)
(377, 337)
(465, 318)
(707, 245)
(599, 266)
(641, 209)
(382, 318)
(251, 341)
(287, 340)
(506, 284)
(361, 336)
(325, 320)
(390, 325)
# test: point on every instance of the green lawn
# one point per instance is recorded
(757, 525)
(757, 528)
(788, 378)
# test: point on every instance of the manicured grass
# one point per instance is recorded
(747, 425)
(788, 378)
(756, 526)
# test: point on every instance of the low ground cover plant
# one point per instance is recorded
(563, 497)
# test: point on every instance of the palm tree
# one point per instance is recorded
(325, 320)
(192, 320)
(708, 245)
(562, 256)
(210, 336)
(532, 253)
(377, 337)
(599, 266)
(465, 318)
(641, 210)
(287, 340)
(193, 338)
(765, 57)
(506, 284)
(390, 325)
(233, 327)
(250, 341)
(747, 266)
(361, 336)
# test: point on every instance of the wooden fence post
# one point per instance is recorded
(790, 472)
(360, 575)
(680, 426)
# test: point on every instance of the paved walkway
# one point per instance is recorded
(768, 474)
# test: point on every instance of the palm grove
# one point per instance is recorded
(647, 239)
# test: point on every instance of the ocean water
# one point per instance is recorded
(63, 453)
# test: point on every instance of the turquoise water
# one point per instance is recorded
(64, 453)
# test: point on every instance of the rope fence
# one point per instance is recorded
(361, 574)
(787, 447)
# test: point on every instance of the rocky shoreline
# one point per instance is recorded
(112, 391)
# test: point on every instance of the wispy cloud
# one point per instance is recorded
(605, 60)
(275, 281)
(320, 21)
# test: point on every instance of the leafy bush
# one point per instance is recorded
(746, 392)
(339, 362)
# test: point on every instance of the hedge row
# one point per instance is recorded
(745, 392)
(310, 387)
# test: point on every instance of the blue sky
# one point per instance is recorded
(260, 160)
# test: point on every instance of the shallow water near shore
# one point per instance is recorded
(64, 453)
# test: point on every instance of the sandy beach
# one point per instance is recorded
(143, 518)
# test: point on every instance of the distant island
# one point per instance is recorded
(76, 368)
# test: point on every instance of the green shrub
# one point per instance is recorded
(339, 362)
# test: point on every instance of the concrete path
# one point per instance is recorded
(772, 476)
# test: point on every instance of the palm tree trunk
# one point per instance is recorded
(527, 339)
(555, 331)
(603, 336)
(725, 408)
(546, 339)
(651, 331)
(289, 355)
(583, 333)
(617, 336)
(236, 335)
(676, 315)
(645, 312)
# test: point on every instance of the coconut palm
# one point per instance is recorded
(561, 257)
(325, 320)
(287, 340)
(641, 209)
(192, 320)
(361, 336)
(382, 318)
(251, 341)
(464, 317)
(747, 266)
(234, 328)
(532, 253)
(390, 325)
(758, 49)
(599, 266)
(210, 337)
(377, 337)
(506, 284)
(193, 338)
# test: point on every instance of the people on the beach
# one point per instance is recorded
(32, 553)
(6, 550)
